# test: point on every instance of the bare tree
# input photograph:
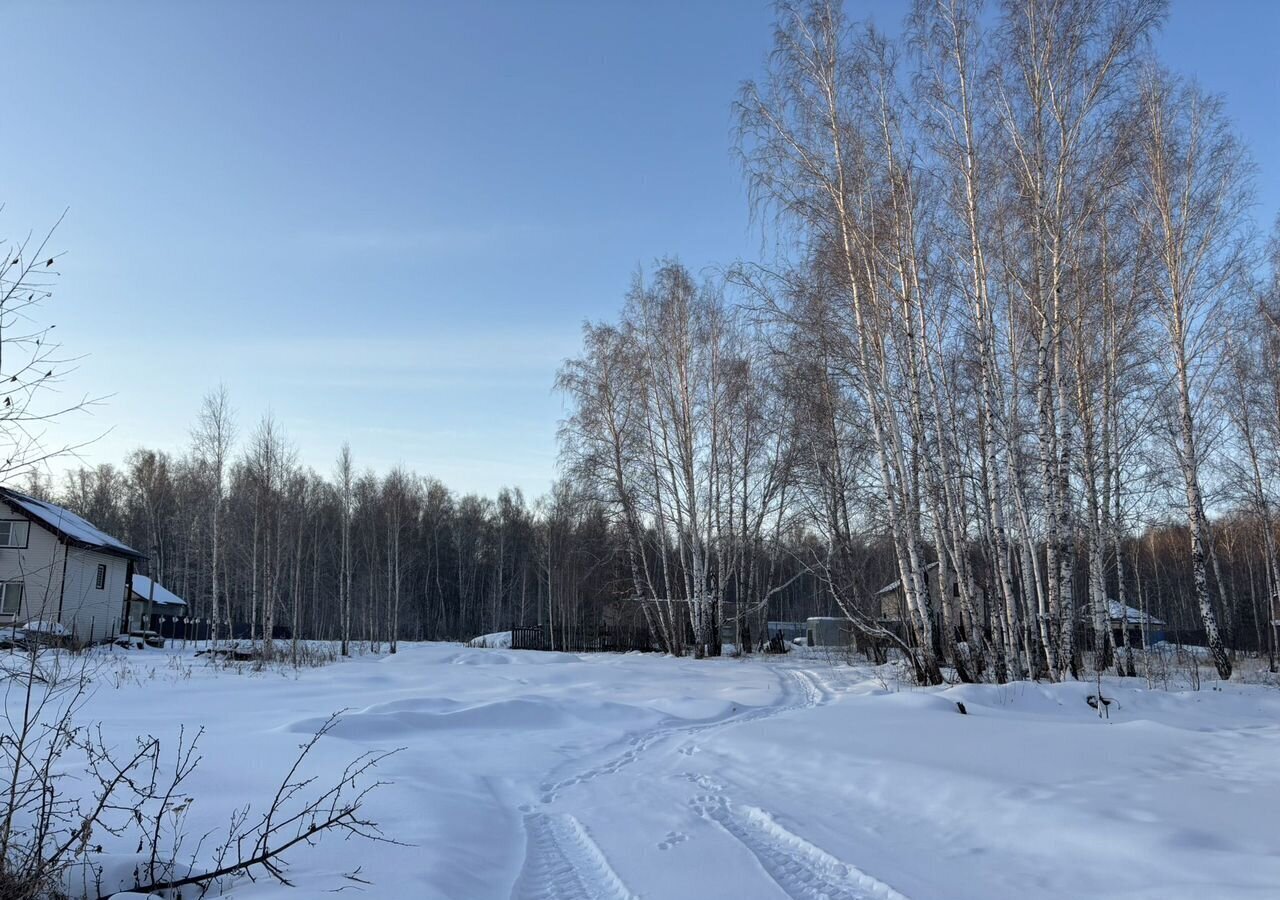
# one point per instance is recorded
(1193, 195)
(345, 479)
(33, 363)
(601, 445)
(213, 439)
(400, 497)
(269, 461)
(814, 153)
(51, 836)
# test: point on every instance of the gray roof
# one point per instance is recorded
(1117, 611)
(894, 586)
(66, 524)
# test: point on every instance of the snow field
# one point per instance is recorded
(549, 775)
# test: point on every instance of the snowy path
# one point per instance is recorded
(537, 776)
(563, 863)
(801, 870)
(799, 690)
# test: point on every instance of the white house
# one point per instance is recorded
(56, 567)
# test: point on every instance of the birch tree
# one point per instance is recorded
(213, 439)
(601, 443)
(344, 475)
(809, 158)
(1194, 191)
(270, 464)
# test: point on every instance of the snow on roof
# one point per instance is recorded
(894, 586)
(66, 523)
(143, 586)
(1117, 610)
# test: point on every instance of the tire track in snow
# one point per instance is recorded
(802, 870)
(562, 862)
(800, 690)
(815, 690)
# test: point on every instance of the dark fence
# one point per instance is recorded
(187, 628)
(581, 639)
(243, 631)
(1154, 635)
(180, 628)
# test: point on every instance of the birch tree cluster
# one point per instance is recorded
(1016, 333)
(679, 425)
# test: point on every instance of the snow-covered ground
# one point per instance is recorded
(548, 775)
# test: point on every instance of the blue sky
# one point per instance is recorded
(386, 222)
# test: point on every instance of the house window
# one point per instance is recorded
(102, 578)
(13, 534)
(10, 598)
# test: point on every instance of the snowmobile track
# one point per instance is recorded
(815, 692)
(800, 690)
(802, 870)
(562, 862)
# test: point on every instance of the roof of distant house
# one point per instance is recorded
(67, 524)
(894, 586)
(1117, 611)
(154, 591)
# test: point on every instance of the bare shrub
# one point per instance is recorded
(59, 843)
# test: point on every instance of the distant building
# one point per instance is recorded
(829, 631)
(150, 598)
(892, 604)
(1124, 618)
(55, 567)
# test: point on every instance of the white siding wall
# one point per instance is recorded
(92, 613)
(39, 567)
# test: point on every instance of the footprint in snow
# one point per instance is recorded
(673, 838)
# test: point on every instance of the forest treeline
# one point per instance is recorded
(372, 557)
(469, 564)
(1018, 322)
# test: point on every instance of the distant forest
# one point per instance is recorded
(1017, 320)
(421, 561)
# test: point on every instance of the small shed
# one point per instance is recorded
(829, 631)
(149, 598)
(1135, 621)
